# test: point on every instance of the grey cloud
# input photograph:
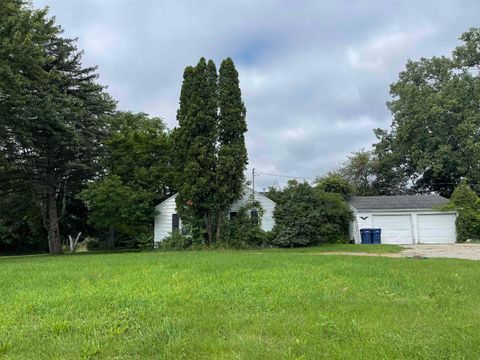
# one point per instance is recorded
(315, 75)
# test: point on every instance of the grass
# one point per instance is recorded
(278, 304)
(370, 248)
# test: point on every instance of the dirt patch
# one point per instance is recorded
(453, 251)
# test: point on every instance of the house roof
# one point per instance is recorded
(401, 202)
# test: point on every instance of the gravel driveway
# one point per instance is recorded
(456, 251)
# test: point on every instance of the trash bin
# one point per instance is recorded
(366, 236)
(376, 236)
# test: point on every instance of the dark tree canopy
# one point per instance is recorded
(52, 114)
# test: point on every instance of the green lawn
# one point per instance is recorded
(274, 304)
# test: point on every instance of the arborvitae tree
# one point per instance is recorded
(210, 153)
(232, 154)
(195, 141)
(51, 114)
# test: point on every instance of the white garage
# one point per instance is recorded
(406, 219)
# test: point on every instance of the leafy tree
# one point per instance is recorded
(138, 175)
(467, 203)
(359, 170)
(52, 114)
(232, 154)
(434, 134)
(117, 206)
(335, 183)
(310, 216)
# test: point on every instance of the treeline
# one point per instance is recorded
(71, 163)
(64, 145)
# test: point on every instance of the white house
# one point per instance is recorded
(167, 219)
(406, 219)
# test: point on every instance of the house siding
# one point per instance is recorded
(163, 218)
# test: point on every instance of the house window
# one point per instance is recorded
(233, 214)
(175, 222)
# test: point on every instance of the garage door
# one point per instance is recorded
(436, 229)
(396, 229)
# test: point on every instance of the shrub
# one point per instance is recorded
(467, 203)
(310, 216)
(176, 241)
(145, 241)
(243, 231)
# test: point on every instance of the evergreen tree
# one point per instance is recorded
(195, 141)
(210, 153)
(232, 154)
(51, 123)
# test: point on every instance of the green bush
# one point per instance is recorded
(467, 204)
(243, 231)
(310, 216)
(176, 241)
(145, 241)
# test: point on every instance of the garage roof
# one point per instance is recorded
(397, 202)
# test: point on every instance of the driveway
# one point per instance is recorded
(455, 251)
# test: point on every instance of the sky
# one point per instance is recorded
(314, 74)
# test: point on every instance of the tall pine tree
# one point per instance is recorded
(52, 107)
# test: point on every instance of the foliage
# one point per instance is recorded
(268, 304)
(194, 144)
(309, 216)
(243, 230)
(232, 156)
(467, 203)
(335, 183)
(145, 241)
(434, 138)
(138, 177)
(176, 241)
(52, 114)
(359, 170)
(114, 204)
(209, 144)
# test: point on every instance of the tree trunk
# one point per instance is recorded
(208, 224)
(219, 222)
(54, 242)
(110, 244)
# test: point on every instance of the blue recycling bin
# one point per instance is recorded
(366, 236)
(376, 236)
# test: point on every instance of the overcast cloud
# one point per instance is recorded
(315, 75)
